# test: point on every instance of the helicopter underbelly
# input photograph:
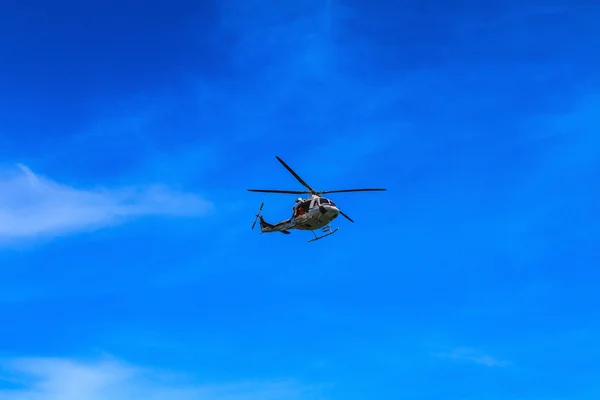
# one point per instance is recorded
(315, 220)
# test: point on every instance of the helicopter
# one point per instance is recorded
(309, 214)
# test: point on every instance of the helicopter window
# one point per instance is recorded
(323, 201)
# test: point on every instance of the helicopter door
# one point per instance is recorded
(303, 208)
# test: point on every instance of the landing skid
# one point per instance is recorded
(324, 229)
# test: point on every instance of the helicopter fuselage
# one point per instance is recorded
(309, 215)
(320, 213)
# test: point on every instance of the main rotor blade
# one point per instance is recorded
(296, 175)
(352, 190)
(349, 219)
(279, 191)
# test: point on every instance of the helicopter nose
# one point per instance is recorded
(329, 209)
(332, 209)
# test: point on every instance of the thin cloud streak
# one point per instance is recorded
(32, 205)
(472, 356)
(65, 379)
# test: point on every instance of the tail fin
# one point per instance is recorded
(267, 227)
(264, 225)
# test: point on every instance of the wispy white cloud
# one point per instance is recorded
(32, 205)
(64, 379)
(464, 354)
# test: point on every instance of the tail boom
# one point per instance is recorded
(282, 226)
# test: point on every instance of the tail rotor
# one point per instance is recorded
(257, 215)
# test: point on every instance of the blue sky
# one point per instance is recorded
(130, 132)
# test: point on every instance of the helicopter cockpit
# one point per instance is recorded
(323, 201)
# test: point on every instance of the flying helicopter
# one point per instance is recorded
(309, 214)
